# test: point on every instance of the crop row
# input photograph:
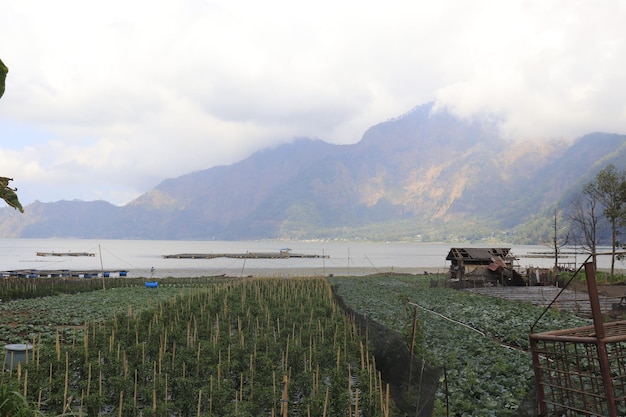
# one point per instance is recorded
(255, 347)
(481, 341)
(223, 350)
(41, 318)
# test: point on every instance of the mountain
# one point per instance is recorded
(425, 175)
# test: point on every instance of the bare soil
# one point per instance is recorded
(604, 290)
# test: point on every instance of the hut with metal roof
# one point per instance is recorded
(480, 266)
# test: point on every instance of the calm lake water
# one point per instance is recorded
(140, 256)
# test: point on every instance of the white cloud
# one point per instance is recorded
(554, 75)
(104, 100)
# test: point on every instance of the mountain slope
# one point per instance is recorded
(424, 173)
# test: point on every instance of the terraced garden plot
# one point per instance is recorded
(485, 377)
(488, 369)
(245, 348)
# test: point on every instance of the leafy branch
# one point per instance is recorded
(7, 193)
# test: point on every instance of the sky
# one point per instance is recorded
(104, 100)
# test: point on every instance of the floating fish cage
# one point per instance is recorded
(582, 371)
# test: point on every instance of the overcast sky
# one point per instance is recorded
(104, 99)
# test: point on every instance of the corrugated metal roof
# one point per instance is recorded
(476, 254)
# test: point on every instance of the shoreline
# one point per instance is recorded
(288, 272)
(284, 272)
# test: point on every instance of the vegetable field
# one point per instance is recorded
(270, 347)
(481, 341)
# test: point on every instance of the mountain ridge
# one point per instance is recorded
(424, 175)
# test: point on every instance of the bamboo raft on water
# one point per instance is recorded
(65, 254)
(247, 255)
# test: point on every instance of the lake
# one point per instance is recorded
(337, 257)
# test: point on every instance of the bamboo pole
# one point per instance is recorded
(166, 380)
(119, 411)
(310, 349)
(88, 379)
(135, 392)
(285, 398)
(198, 361)
(241, 387)
(317, 377)
(111, 340)
(362, 355)
(86, 342)
(349, 393)
(274, 382)
(252, 378)
(326, 402)
(37, 350)
(65, 385)
(160, 359)
(219, 373)
(371, 383)
(345, 338)
(154, 400)
(380, 391)
(25, 391)
(188, 333)
(57, 346)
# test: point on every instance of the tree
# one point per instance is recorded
(585, 215)
(609, 188)
(7, 193)
(557, 243)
